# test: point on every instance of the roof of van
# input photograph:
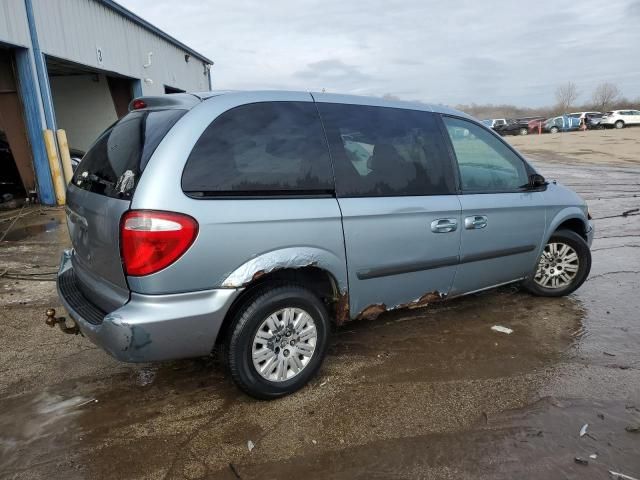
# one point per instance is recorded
(191, 99)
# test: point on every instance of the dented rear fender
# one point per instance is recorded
(288, 258)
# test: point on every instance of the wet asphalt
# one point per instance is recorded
(430, 393)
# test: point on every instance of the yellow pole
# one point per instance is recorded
(54, 165)
(65, 156)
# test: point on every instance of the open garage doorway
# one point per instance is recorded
(17, 177)
(86, 101)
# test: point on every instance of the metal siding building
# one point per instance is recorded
(75, 65)
(13, 23)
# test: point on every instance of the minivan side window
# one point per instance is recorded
(486, 164)
(261, 148)
(381, 151)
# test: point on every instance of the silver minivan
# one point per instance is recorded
(253, 221)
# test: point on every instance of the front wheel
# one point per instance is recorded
(619, 124)
(554, 130)
(278, 340)
(563, 266)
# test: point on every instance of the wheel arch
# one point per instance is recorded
(320, 271)
(572, 218)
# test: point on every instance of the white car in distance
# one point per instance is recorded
(621, 118)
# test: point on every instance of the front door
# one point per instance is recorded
(401, 217)
(503, 222)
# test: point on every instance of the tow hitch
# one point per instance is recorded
(52, 321)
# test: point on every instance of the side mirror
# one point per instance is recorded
(536, 180)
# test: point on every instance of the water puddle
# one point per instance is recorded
(20, 233)
(39, 419)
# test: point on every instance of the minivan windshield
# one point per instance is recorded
(114, 163)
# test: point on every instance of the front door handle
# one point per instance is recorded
(475, 222)
(444, 225)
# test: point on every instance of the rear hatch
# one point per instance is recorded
(101, 191)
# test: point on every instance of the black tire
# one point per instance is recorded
(580, 246)
(554, 130)
(262, 303)
(524, 131)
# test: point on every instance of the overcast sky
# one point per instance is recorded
(435, 51)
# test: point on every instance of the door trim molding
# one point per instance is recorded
(505, 252)
(388, 270)
(398, 269)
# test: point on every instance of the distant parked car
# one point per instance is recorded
(534, 126)
(583, 114)
(514, 127)
(562, 123)
(494, 122)
(621, 118)
(594, 121)
(510, 128)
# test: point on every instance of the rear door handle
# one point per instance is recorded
(475, 222)
(444, 225)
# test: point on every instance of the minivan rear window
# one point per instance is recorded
(264, 148)
(113, 165)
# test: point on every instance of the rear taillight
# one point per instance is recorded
(151, 240)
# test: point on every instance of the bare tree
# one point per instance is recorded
(566, 95)
(604, 96)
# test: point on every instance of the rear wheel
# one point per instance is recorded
(278, 341)
(524, 131)
(563, 266)
(619, 124)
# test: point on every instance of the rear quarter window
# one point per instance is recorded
(114, 163)
(265, 148)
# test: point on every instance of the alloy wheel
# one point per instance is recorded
(284, 344)
(558, 266)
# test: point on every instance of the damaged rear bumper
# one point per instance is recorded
(148, 327)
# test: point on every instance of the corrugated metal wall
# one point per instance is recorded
(13, 23)
(74, 29)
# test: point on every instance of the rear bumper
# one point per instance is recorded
(148, 327)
